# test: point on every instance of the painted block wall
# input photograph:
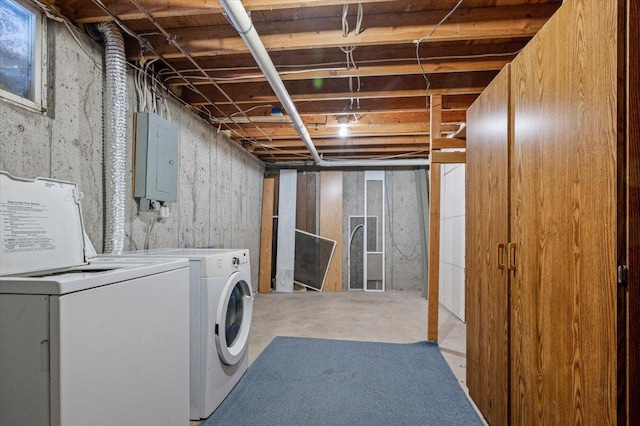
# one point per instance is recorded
(452, 238)
(219, 184)
(403, 267)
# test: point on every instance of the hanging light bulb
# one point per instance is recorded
(343, 130)
(343, 126)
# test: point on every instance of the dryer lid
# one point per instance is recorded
(41, 225)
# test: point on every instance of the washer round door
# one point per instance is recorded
(233, 319)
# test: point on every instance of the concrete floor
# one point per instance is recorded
(392, 316)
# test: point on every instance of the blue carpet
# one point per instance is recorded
(298, 381)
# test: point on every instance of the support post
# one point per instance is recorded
(434, 222)
(266, 236)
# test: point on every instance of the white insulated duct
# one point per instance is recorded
(115, 142)
(242, 23)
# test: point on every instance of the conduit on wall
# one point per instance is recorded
(115, 143)
(241, 21)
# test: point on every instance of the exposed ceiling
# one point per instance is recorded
(380, 97)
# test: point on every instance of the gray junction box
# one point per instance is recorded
(156, 165)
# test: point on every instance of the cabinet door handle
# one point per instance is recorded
(500, 253)
(511, 256)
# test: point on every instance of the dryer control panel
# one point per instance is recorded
(224, 264)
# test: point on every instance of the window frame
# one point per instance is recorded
(40, 65)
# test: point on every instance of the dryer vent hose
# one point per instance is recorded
(115, 142)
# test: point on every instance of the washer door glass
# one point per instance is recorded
(235, 310)
(233, 320)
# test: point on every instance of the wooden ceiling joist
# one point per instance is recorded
(452, 66)
(403, 129)
(398, 28)
(370, 107)
(314, 90)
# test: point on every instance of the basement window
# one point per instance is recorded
(22, 54)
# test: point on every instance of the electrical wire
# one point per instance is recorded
(425, 38)
(348, 50)
(150, 227)
(170, 39)
(329, 66)
(414, 253)
(54, 15)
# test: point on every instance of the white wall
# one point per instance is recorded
(452, 238)
(219, 183)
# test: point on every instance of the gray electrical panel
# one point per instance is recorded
(156, 168)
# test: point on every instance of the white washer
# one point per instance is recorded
(84, 343)
(221, 312)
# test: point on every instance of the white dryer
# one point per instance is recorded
(221, 312)
(102, 343)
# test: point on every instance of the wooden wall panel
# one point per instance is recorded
(331, 224)
(306, 202)
(266, 236)
(487, 297)
(633, 224)
(563, 323)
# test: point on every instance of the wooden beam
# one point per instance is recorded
(444, 143)
(355, 142)
(266, 236)
(291, 60)
(369, 128)
(354, 156)
(387, 150)
(434, 226)
(435, 67)
(331, 224)
(373, 111)
(88, 12)
(394, 28)
(331, 89)
(438, 157)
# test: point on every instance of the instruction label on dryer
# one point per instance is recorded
(24, 227)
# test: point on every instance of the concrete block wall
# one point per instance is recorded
(452, 238)
(219, 184)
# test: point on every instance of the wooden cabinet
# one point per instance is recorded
(545, 172)
(487, 303)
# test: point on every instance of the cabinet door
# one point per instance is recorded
(563, 292)
(487, 225)
(633, 225)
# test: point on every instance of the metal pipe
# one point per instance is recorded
(374, 163)
(241, 21)
(115, 138)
